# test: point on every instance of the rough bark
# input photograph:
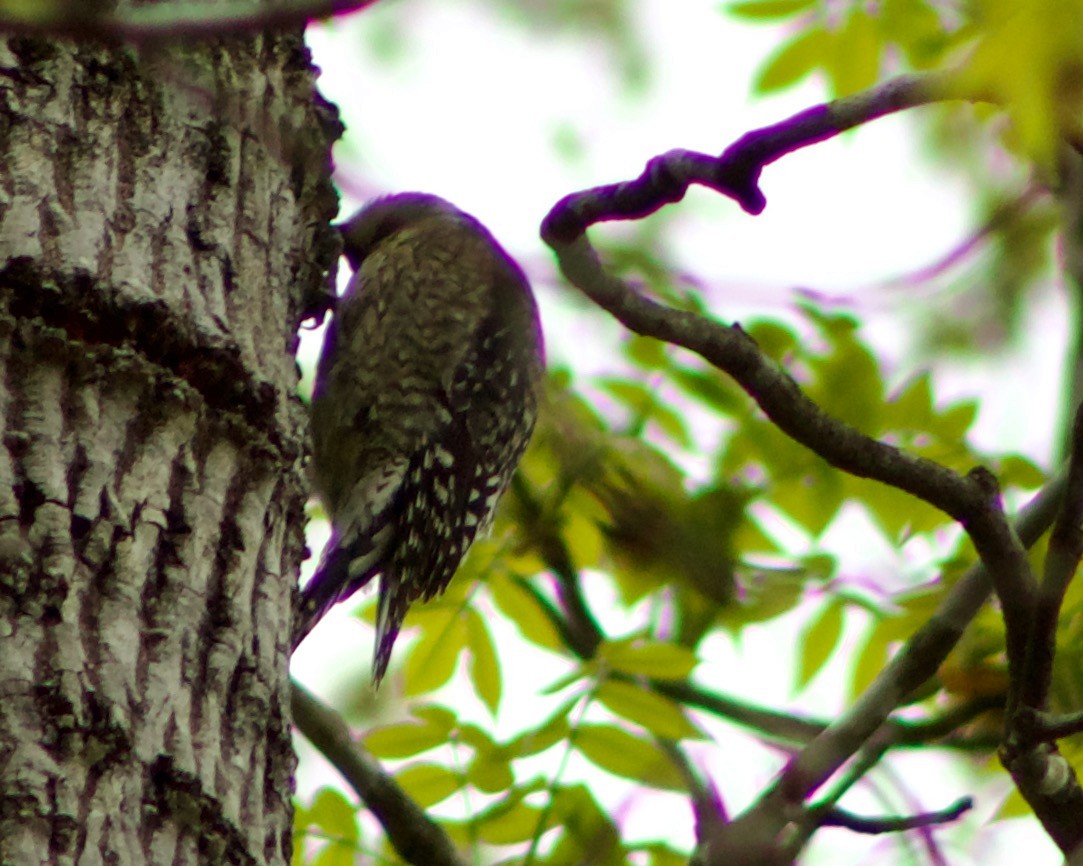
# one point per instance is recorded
(163, 230)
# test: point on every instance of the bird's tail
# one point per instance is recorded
(394, 602)
(332, 583)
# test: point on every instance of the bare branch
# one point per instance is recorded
(1046, 727)
(170, 22)
(736, 172)
(1046, 780)
(919, 658)
(842, 818)
(773, 817)
(416, 837)
(729, 348)
(972, 500)
(1061, 562)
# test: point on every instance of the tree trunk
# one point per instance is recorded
(163, 230)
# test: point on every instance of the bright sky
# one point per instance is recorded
(469, 109)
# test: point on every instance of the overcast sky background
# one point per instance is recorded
(470, 110)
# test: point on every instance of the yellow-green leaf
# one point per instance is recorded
(484, 664)
(655, 712)
(405, 739)
(508, 825)
(662, 661)
(792, 61)
(547, 734)
(490, 772)
(432, 659)
(818, 641)
(1025, 57)
(428, 784)
(622, 754)
(334, 814)
(768, 10)
(523, 608)
(856, 61)
(335, 854)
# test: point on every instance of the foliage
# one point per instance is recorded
(659, 513)
(685, 557)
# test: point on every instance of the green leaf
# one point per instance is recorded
(547, 734)
(660, 854)
(484, 664)
(711, 388)
(405, 739)
(582, 671)
(335, 854)
(775, 339)
(589, 834)
(334, 814)
(912, 405)
(791, 62)
(475, 737)
(1025, 55)
(768, 10)
(811, 497)
(581, 531)
(523, 608)
(615, 750)
(899, 515)
(818, 641)
(647, 352)
(657, 713)
(643, 403)
(957, 419)
(432, 659)
(847, 381)
(661, 661)
(435, 715)
(1017, 471)
(767, 594)
(508, 824)
(915, 27)
(871, 660)
(428, 784)
(856, 61)
(490, 771)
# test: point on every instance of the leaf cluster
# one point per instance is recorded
(610, 504)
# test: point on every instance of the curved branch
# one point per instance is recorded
(416, 837)
(912, 665)
(736, 173)
(972, 500)
(171, 22)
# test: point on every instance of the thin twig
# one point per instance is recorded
(416, 837)
(885, 824)
(973, 499)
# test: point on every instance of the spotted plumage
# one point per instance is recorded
(425, 398)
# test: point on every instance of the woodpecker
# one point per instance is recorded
(426, 393)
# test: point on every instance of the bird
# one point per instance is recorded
(426, 393)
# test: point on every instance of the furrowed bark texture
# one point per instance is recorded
(163, 229)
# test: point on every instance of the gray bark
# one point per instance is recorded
(163, 230)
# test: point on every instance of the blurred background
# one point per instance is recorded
(910, 263)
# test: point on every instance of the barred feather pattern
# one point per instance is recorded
(425, 400)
